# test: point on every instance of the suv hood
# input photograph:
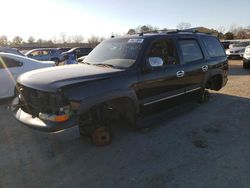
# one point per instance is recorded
(53, 78)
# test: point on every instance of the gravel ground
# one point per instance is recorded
(189, 146)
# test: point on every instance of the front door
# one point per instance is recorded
(164, 82)
(9, 71)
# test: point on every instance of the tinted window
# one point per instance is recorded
(165, 49)
(7, 62)
(213, 46)
(190, 50)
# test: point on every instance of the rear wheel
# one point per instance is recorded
(245, 66)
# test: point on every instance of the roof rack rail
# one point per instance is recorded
(191, 30)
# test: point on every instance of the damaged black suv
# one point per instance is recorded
(118, 79)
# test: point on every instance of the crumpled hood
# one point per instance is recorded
(53, 78)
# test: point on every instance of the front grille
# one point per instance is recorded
(35, 101)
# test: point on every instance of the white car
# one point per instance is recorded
(246, 58)
(11, 66)
(237, 50)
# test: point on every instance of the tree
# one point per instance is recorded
(95, 40)
(184, 25)
(39, 41)
(31, 40)
(131, 32)
(3, 40)
(17, 40)
(77, 38)
(221, 29)
(241, 34)
(63, 37)
(229, 36)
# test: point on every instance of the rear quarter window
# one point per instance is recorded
(213, 46)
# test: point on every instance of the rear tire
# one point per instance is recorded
(245, 66)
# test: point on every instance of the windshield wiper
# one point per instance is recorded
(105, 65)
(84, 62)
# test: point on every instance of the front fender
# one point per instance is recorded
(99, 98)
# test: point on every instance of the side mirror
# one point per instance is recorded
(30, 55)
(155, 62)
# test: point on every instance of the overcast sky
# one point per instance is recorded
(47, 19)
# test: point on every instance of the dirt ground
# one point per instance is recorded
(196, 146)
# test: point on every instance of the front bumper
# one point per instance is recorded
(38, 124)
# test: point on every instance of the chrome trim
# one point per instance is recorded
(204, 68)
(189, 91)
(172, 96)
(180, 74)
(162, 99)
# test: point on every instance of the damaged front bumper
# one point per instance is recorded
(37, 123)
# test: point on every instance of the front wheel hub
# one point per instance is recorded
(102, 136)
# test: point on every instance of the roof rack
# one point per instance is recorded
(191, 30)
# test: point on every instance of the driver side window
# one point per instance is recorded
(164, 49)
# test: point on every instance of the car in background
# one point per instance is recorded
(237, 50)
(246, 58)
(46, 54)
(81, 59)
(225, 44)
(78, 51)
(64, 49)
(11, 66)
(11, 50)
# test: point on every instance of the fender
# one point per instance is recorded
(89, 102)
(210, 74)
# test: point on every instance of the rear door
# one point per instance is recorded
(9, 71)
(194, 62)
(161, 83)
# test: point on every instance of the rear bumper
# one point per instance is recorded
(38, 124)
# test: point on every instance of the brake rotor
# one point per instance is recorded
(102, 136)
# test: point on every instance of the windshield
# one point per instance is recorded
(119, 53)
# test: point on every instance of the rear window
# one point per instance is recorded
(213, 46)
(190, 50)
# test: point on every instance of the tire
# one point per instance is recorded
(102, 136)
(95, 126)
(56, 61)
(204, 96)
(245, 66)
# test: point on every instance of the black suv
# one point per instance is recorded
(118, 79)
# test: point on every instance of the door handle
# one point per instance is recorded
(204, 68)
(180, 74)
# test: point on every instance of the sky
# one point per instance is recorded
(48, 19)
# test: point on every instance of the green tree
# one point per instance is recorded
(131, 32)
(31, 40)
(3, 40)
(229, 36)
(17, 40)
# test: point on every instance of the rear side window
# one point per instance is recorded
(191, 50)
(213, 46)
(7, 62)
